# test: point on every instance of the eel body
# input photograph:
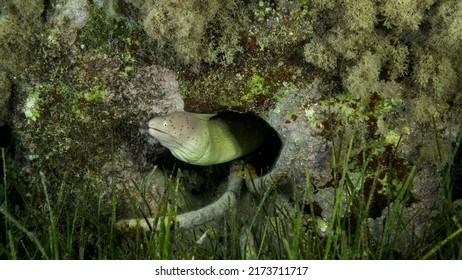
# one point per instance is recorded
(208, 139)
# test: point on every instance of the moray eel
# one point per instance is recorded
(208, 139)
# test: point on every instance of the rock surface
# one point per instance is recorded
(5, 93)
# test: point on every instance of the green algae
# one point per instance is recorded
(31, 107)
(69, 128)
(250, 87)
(95, 95)
(255, 86)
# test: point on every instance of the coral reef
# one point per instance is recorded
(99, 122)
(83, 77)
(84, 115)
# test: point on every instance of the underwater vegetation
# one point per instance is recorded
(366, 96)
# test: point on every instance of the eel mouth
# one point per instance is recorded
(153, 130)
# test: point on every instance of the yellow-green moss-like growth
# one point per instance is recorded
(404, 15)
(438, 54)
(5, 92)
(376, 48)
(363, 78)
(198, 31)
(19, 24)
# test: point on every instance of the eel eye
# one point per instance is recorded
(164, 124)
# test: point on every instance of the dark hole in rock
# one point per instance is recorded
(10, 170)
(457, 175)
(244, 127)
(5, 143)
(5, 136)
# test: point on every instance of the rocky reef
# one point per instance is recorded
(368, 90)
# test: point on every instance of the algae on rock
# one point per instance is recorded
(5, 93)
(189, 27)
(20, 23)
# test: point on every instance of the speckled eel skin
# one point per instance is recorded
(208, 139)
